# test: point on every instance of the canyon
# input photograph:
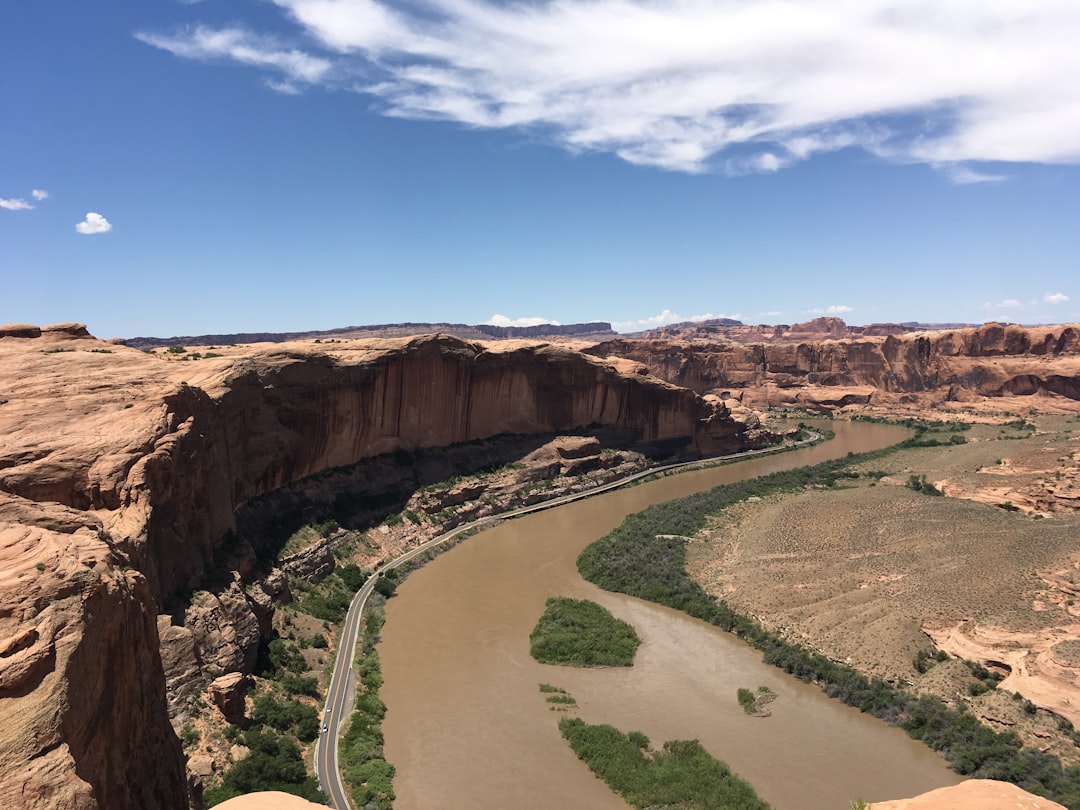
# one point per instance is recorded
(129, 480)
(120, 477)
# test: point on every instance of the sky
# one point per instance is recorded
(185, 167)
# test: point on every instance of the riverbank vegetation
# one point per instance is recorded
(682, 774)
(364, 768)
(580, 633)
(644, 557)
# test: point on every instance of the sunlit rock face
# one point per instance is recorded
(955, 365)
(120, 476)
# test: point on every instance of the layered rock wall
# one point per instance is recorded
(988, 361)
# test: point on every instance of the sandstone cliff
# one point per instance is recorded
(957, 365)
(121, 474)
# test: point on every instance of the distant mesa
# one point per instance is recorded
(824, 328)
(483, 331)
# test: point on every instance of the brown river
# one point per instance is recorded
(467, 727)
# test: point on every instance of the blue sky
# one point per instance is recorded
(274, 165)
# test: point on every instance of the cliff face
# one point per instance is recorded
(121, 473)
(82, 718)
(988, 361)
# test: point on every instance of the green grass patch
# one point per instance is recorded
(682, 774)
(581, 633)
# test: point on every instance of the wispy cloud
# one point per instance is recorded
(697, 85)
(14, 204)
(1055, 298)
(502, 320)
(39, 194)
(239, 45)
(665, 318)
(964, 175)
(94, 223)
(1008, 303)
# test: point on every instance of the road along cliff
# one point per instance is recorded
(121, 474)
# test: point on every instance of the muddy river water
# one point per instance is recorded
(467, 727)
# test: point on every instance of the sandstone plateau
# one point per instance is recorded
(121, 474)
(127, 479)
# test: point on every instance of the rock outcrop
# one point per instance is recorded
(934, 367)
(120, 477)
(974, 794)
(228, 693)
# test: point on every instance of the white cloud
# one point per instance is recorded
(1055, 298)
(665, 318)
(964, 175)
(695, 85)
(502, 320)
(94, 223)
(13, 204)
(1008, 303)
(39, 194)
(242, 46)
(832, 309)
(772, 313)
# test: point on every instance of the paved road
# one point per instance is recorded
(340, 696)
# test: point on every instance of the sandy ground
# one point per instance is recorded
(866, 574)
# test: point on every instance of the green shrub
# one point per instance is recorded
(274, 763)
(683, 774)
(582, 633)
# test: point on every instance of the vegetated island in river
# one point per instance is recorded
(580, 633)
(682, 774)
(644, 557)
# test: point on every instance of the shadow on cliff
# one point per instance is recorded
(363, 495)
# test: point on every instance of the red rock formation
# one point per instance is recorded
(121, 472)
(988, 361)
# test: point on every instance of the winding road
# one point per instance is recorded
(340, 696)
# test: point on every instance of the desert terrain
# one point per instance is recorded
(876, 574)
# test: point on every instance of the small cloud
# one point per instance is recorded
(1055, 298)
(964, 175)
(765, 162)
(1008, 303)
(94, 223)
(502, 320)
(772, 313)
(39, 194)
(12, 204)
(832, 309)
(285, 88)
